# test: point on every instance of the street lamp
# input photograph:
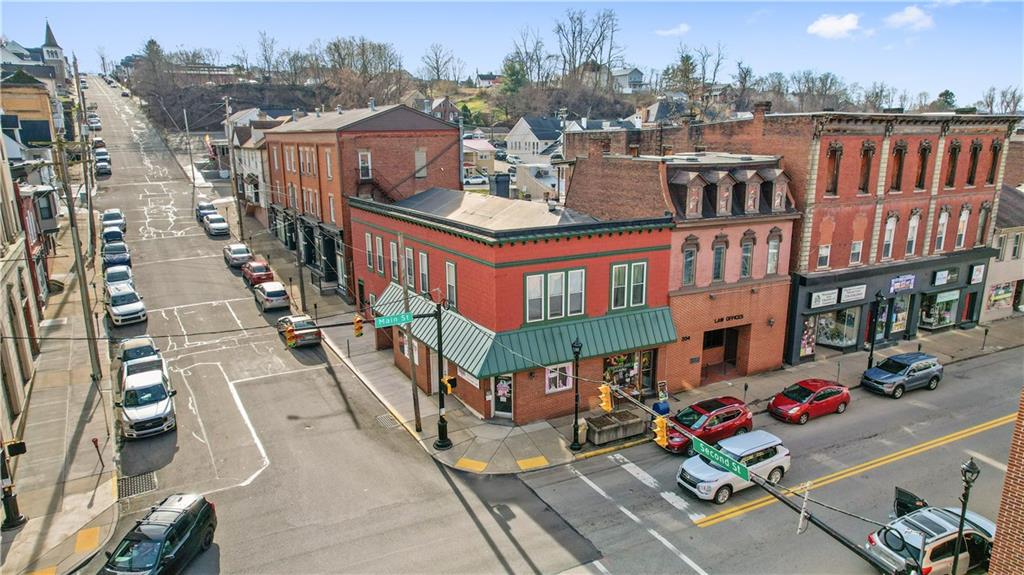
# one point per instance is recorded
(577, 347)
(876, 306)
(969, 471)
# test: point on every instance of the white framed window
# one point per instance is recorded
(1015, 253)
(577, 292)
(380, 254)
(365, 165)
(620, 277)
(421, 163)
(468, 377)
(330, 206)
(410, 268)
(534, 298)
(369, 251)
(912, 226)
(890, 236)
(394, 261)
(823, 255)
(313, 163)
(689, 266)
(940, 236)
(856, 250)
(449, 283)
(638, 284)
(1001, 246)
(746, 259)
(275, 154)
(373, 301)
(424, 273)
(774, 244)
(328, 163)
(961, 228)
(558, 378)
(556, 295)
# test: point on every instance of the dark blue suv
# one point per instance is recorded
(899, 373)
(171, 534)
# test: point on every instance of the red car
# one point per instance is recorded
(256, 272)
(710, 420)
(809, 398)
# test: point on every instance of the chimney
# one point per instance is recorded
(762, 108)
(666, 150)
(634, 150)
(295, 114)
(373, 103)
(583, 122)
(552, 205)
(261, 115)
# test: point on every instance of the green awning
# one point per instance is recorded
(484, 353)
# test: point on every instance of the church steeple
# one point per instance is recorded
(51, 41)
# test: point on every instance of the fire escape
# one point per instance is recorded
(373, 184)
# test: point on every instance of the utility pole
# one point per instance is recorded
(83, 290)
(408, 332)
(86, 161)
(188, 146)
(234, 176)
(442, 442)
(298, 262)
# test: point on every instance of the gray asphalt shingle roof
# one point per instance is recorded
(1011, 208)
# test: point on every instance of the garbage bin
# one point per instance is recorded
(583, 431)
(661, 408)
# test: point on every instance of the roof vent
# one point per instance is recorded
(692, 159)
(373, 103)
(897, 110)
(339, 109)
(552, 206)
(746, 158)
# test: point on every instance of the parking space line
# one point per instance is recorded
(167, 261)
(986, 459)
(862, 467)
(240, 326)
(184, 305)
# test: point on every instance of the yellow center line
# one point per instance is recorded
(862, 467)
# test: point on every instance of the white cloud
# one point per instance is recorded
(832, 27)
(679, 30)
(868, 33)
(910, 17)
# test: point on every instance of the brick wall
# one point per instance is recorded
(593, 188)
(1008, 552)
(1014, 175)
(649, 141)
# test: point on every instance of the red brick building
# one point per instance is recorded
(897, 212)
(318, 161)
(523, 281)
(732, 226)
(1008, 550)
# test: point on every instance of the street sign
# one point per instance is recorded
(723, 460)
(390, 320)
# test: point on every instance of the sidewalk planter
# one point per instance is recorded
(613, 427)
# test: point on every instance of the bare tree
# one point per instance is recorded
(241, 57)
(267, 46)
(742, 82)
(528, 49)
(456, 69)
(903, 100)
(361, 69)
(1009, 99)
(437, 62)
(878, 96)
(587, 48)
(921, 101)
(104, 63)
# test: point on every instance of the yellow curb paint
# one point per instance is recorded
(532, 462)
(860, 468)
(605, 450)
(471, 465)
(47, 571)
(87, 540)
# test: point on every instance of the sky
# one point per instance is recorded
(962, 46)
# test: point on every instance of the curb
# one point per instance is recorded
(106, 541)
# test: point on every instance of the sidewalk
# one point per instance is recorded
(69, 497)
(494, 447)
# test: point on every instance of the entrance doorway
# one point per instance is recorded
(330, 257)
(648, 372)
(503, 396)
(969, 305)
(720, 355)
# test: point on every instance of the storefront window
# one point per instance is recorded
(939, 310)
(558, 378)
(1002, 296)
(622, 370)
(900, 312)
(807, 338)
(838, 328)
(880, 319)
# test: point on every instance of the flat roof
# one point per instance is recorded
(704, 158)
(491, 212)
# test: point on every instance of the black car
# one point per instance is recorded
(171, 534)
(116, 254)
(500, 155)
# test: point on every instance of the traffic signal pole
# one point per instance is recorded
(442, 443)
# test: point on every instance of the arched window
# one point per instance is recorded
(890, 235)
(940, 235)
(961, 227)
(912, 226)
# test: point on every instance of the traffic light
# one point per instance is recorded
(289, 337)
(448, 383)
(661, 431)
(606, 397)
(357, 325)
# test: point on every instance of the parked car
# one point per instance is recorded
(513, 159)
(512, 171)
(474, 180)
(809, 398)
(925, 541)
(255, 272)
(899, 373)
(710, 420)
(271, 295)
(124, 305)
(143, 364)
(305, 329)
(125, 93)
(102, 155)
(136, 348)
(103, 169)
(204, 209)
(500, 155)
(145, 404)
(216, 225)
(111, 234)
(118, 276)
(762, 453)
(98, 143)
(114, 217)
(95, 125)
(167, 538)
(92, 116)
(236, 255)
(116, 254)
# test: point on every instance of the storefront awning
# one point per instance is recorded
(484, 353)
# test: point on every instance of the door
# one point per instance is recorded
(824, 402)
(503, 396)
(713, 430)
(969, 303)
(917, 376)
(361, 296)
(731, 343)
(647, 372)
(329, 257)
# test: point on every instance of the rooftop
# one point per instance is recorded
(478, 144)
(1011, 208)
(491, 213)
(331, 120)
(706, 158)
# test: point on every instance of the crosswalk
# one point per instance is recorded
(672, 497)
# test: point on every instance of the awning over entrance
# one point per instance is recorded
(484, 353)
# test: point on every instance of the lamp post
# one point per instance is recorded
(577, 347)
(969, 471)
(876, 306)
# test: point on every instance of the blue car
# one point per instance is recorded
(116, 254)
(900, 373)
(204, 209)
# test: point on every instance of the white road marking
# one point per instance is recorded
(264, 460)
(647, 479)
(136, 240)
(240, 326)
(305, 369)
(194, 408)
(600, 567)
(668, 544)
(986, 459)
(185, 305)
(138, 264)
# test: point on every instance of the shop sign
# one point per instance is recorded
(943, 277)
(853, 293)
(902, 283)
(977, 273)
(824, 298)
(947, 296)
(1002, 291)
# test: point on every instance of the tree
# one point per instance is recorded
(877, 97)
(742, 81)
(437, 63)
(104, 63)
(695, 73)
(947, 99)
(587, 46)
(988, 100)
(241, 57)
(267, 46)
(361, 69)
(1009, 99)
(466, 113)
(528, 50)
(513, 76)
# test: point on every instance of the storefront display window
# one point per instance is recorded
(900, 312)
(1001, 296)
(622, 370)
(939, 310)
(838, 328)
(880, 318)
(807, 339)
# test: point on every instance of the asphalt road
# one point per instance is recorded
(630, 507)
(287, 444)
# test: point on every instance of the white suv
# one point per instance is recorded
(761, 452)
(146, 405)
(124, 305)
